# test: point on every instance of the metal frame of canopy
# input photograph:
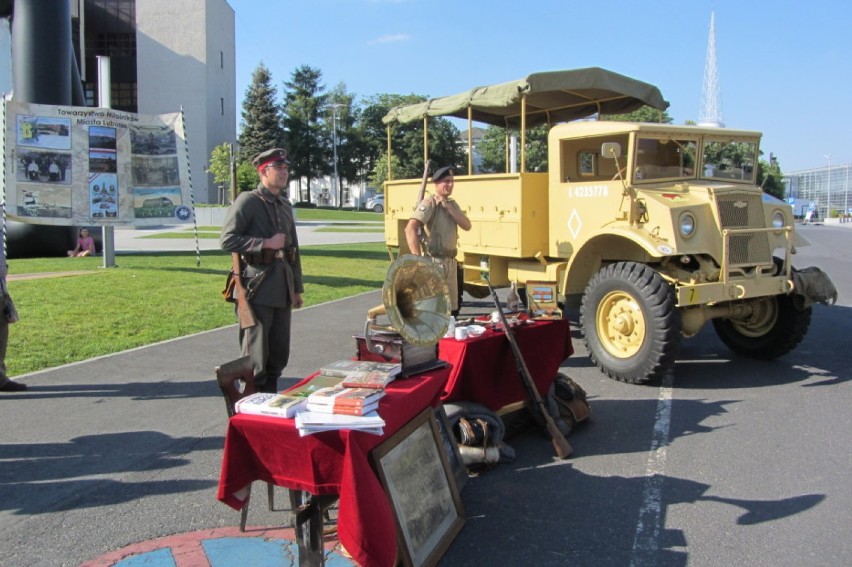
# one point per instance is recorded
(540, 98)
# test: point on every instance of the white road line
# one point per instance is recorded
(646, 543)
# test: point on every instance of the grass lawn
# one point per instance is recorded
(153, 297)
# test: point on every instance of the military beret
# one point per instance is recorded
(441, 173)
(268, 157)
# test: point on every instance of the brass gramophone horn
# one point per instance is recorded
(416, 301)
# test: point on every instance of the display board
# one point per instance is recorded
(70, 165)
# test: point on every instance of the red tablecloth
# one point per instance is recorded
(331, 462)
(484, 368)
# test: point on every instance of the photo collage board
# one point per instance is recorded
(69, 165)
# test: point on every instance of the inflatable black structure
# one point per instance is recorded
(44, 71)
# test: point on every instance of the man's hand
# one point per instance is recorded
(277, 242)
(298, 301)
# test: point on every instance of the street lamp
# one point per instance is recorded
(337, 188)
(828, 188)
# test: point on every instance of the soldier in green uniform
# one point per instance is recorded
(441, 217)
(260, 227)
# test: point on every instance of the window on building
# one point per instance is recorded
(222, 105)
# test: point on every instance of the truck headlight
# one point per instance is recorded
(777, 219)
(686, 223)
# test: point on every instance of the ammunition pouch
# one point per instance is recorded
(268, 256)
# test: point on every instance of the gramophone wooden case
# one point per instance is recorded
(393, 348)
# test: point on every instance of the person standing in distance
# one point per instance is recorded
(9, 315)
(260, 226)
(441, 217)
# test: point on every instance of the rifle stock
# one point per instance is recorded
(244, 312)
(421, 232)
(560, 444)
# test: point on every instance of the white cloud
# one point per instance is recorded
(389, 38)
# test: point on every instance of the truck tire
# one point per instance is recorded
(630, 322)
(775, 329)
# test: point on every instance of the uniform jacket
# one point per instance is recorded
(441, 229)
(251, 218)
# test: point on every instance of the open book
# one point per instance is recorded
(363, 373)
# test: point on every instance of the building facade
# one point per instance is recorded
(825, 188)
(166, 56)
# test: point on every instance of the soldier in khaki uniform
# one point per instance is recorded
(260, 226)
(441, 218)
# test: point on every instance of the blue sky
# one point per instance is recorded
(784, 67)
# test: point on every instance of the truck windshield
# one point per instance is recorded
(730, 160)
(664, 159)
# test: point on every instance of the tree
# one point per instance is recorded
(220, 167)
(220, 164)
(644, 114)
(492, 149)
(261, 117)
(303, 101)
(353, 151)
(407, 140)
(769, 177)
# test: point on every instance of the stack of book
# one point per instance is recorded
(308, 422)
(287, 403)
(349, 401)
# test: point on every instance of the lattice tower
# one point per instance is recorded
(711, 99)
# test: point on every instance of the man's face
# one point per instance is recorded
(275, 176)
(444, 186)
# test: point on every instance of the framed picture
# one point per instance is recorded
(410, 464)
(451, 447)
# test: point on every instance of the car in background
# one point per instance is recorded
(376, 204)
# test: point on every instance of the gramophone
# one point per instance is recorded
(415, 299)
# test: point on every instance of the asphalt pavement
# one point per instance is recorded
(729, 461)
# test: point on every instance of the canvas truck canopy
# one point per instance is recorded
(548, 97)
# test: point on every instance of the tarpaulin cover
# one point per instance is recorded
(551, 97)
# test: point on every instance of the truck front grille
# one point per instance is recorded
(743, 211)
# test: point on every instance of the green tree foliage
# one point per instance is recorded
(769, 178)
(220, 164)
(644, 114)
(353, 151)
(380, 170)
(309, 145)
(247, 177)
(261, 118)
(220, 167)
(492, 149)
(407, 140)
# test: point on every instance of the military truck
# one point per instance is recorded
(651, 230)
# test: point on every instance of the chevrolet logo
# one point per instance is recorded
(740, 204)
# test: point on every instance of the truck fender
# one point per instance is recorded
(617, 245)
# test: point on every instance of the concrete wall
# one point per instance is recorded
(210, 216)
(186, 58)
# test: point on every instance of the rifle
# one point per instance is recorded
(539, 410)
(421, 232)
(244, 312)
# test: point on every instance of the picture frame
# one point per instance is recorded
(409, 464)
(451, 447)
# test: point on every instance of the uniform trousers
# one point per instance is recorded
(449, 269)
(4, 342)
(268, 345)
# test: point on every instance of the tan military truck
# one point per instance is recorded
(656, 228)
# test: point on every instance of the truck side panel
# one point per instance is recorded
(508, 212)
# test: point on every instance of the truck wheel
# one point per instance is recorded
(630, 322)
(775, 328)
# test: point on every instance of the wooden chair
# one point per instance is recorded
(236, 380)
